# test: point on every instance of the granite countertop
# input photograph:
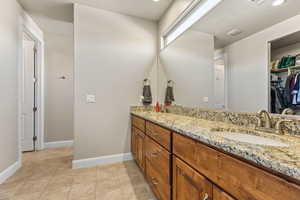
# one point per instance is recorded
(285, 160)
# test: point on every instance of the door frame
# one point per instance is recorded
(29, 27)
(225, 58)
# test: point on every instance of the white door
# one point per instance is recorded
(28, 95)
(219, 84)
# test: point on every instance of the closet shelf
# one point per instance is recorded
(284, 69)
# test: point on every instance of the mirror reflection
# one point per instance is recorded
(248, 60)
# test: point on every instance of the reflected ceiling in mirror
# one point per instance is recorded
(244, 15)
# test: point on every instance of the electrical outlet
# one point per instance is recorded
(90, 98)
(205, 99)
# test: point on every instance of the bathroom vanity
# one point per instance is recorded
(187, 158)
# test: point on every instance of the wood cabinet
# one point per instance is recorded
(159, 134)
(133, 142)
(240, 179)
(138, 145)
(188, 184)
(161, 188)
(159, 158)
(180, 168)
(219, 194)
(138, 123)
(150, 149)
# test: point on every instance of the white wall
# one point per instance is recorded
(9, 42)
(248, 67)
(113, 54)
(189, 61)
(292, 50)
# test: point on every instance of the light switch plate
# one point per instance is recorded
(90, 98)
(205, 99)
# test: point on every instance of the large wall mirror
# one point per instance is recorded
(240, 55)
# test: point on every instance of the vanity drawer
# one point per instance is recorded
(159, 134)
(219, 194)
(159, 158)
(161, 189)
(240, 179)
(138, 122)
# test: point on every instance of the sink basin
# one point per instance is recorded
(252, 139)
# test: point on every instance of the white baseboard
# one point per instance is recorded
(103, 160)
(65, 143)
(8, 172)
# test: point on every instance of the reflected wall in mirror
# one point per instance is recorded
(190, 66)
(225, 60)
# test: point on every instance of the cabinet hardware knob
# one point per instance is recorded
(154, 181)
(155, 154)
(154, 134)
(206, 197)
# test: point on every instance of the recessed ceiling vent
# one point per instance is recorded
(258, 2)
(234, 32)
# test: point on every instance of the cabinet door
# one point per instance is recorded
(161, 189)
(221, 195)
(140, 158)
(159, 159)
(188, 184)
(133, 142)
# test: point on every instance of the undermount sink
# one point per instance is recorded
(252, 139)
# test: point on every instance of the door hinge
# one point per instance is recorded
(34, 109)
(34, 138)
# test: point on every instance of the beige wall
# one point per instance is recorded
(248, 67)
(59, 61)
(113, 53)
(188, 61)
(9, 41)
(292, 50)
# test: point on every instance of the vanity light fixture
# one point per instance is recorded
(278, 2)
(156, 0)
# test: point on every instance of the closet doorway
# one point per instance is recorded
(284, 75)
(219, 83)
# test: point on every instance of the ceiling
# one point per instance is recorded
(246, 16)
(63, 10)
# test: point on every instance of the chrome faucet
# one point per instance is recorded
(279, 124)
(287, 111)
(267, 118)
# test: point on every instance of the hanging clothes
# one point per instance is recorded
(292, 89)
(288, 89)
(277, 100)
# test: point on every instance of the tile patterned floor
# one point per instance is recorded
(47, 175)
